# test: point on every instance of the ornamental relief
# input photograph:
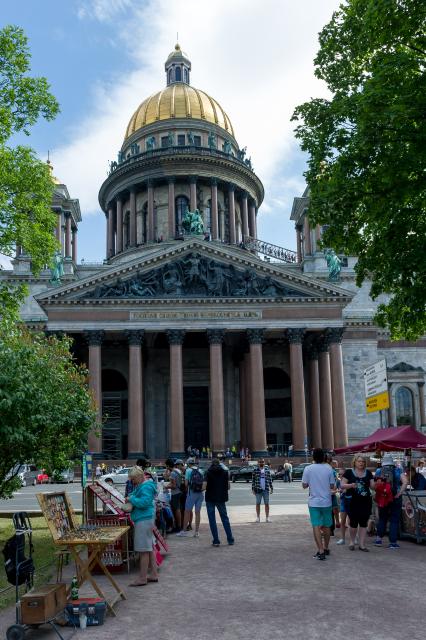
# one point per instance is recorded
(195, 276)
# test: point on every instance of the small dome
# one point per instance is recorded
(177, 53)
(179, 101)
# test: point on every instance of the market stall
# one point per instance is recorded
(85, 543)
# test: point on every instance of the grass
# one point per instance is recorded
(44, 559)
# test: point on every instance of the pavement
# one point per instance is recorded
(267, 585)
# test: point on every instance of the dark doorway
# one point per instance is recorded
(114, 411)
(196, 411)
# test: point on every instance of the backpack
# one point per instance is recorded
(13, 553)
(196, 481)
(388, 475)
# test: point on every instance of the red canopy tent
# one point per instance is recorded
(390, 439)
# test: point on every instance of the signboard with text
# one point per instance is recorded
(376, 387)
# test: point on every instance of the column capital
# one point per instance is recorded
(214, 182)
(295, 336)
(135, 337)
(323, 344)
(150, 183)
(171, 179)
(421, 384)
(110, 206)
(193, 179)
(74, 229)
(94, 338)
(255, 336)
(335, 334)
(244, 195)
(312, 350)
(175, 336)
(231, 187)
(132, 189)
(67, 214)
(215, 336)
(298, 227)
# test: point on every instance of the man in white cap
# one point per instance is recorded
(398, 481)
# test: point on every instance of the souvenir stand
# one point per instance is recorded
(85, 543)
(112, 500)
(413, 524)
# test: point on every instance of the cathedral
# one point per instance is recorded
(196, 332)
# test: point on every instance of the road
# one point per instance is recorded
(286, 495)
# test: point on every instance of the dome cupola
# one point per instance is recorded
(177, 66)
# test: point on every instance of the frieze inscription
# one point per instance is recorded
(195, 315)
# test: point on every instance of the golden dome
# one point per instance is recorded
(179, 101)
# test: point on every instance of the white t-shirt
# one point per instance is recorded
(262, 479)
(319, 477)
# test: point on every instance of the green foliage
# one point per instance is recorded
(46, 409)
(26, 186)
(367, 151)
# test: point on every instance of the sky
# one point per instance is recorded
(104, 57)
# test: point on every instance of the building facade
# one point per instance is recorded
(190, 336)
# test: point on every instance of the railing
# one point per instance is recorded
(179, 150)
(271, 250)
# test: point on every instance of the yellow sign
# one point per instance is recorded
(377, 403)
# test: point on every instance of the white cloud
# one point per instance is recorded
(254, 56)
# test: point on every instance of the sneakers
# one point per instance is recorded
(257, 520)
(196, 535)
(267, 520)
(182, 534)
(231, 542)
(340, 541)
(215, 544)
(320, 556)
(378, 542)
(394, 545)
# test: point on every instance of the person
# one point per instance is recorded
(417, 480)
(288, 471)
(242, 453)
(357, 483)
(98, 471)
(344, 516)
(261, 486)
(217, 489)
(388, 473)
(174, 485)
(422, 467)
(334, 504)
(195, 487)
(143, 515)
(319, 479)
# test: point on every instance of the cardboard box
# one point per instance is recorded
(43, 603)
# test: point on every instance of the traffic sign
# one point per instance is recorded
(376, 387)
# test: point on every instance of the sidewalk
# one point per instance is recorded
(268, 585)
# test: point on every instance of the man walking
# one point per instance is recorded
(261, 486)
(175, 482)
(194, 483)
(216, 498)
(319, 478)
(288, 470)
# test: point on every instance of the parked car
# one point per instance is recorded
(118, 477)
(246, 473)
(299, 469)
(65, 476)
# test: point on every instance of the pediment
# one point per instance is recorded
(195, 270)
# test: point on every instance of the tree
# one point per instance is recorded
(367, 150)
(46, 409)
(26, 187)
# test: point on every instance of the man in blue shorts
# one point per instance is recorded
(320, 480)
(195, 485)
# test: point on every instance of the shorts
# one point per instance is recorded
(262, 494)
(321, 516)
(344, 502)
(194, 500)
(359, 513)
(175, 501)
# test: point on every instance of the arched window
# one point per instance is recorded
(178, 74)
(404, 406)
(185, 74)
(181, 205)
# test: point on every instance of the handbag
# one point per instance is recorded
(127, 507)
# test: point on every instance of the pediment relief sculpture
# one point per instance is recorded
(195, 276)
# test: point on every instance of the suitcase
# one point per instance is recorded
(95, 611)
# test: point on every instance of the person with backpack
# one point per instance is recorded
(195, 485)
(217, 489)
(390, 484)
